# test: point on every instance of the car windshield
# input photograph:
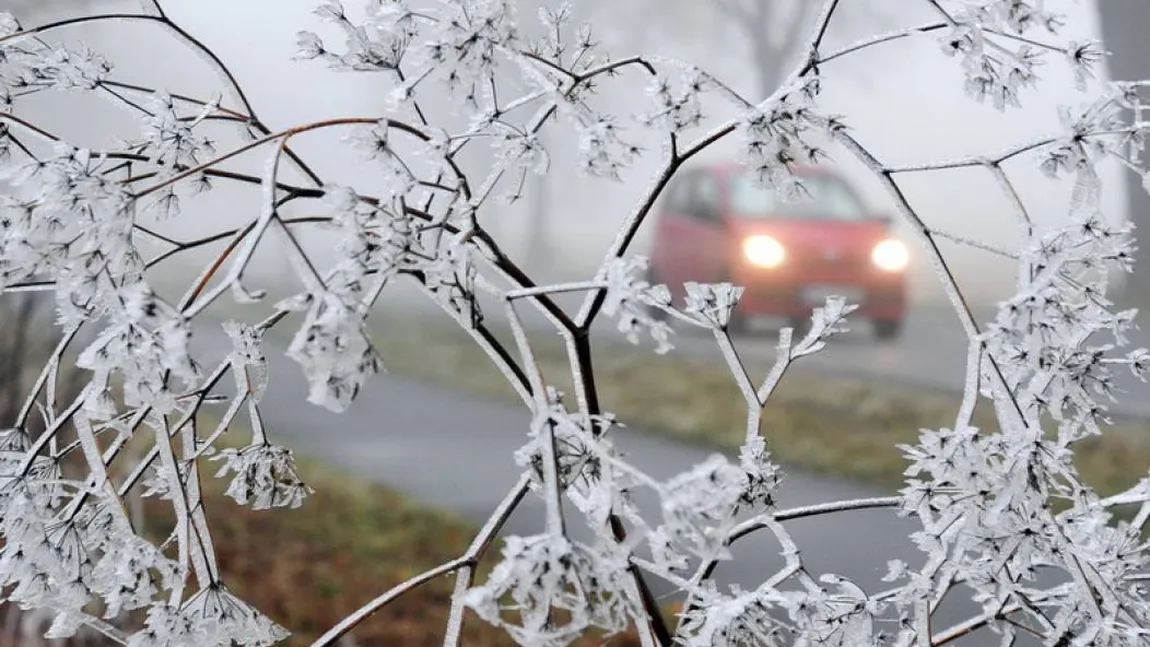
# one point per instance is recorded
(827, 197)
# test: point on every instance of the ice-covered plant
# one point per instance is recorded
(1002, 516)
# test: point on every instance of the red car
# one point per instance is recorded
(716, 224)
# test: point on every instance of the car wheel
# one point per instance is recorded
(800, 327)
(737, 324)
(887, 329)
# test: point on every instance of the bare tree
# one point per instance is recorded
(770, 32)
(766, 34)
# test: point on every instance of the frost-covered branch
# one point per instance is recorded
(76, 223)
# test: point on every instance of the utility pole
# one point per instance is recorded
(1124, 24)
(537, 235)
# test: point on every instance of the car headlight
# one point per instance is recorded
(763, 251)
(890, 256)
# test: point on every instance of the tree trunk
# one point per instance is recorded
(538, 257)
(768, 68)
(1124, 24)
(772, 59)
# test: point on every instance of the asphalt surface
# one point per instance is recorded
(455, 451)
(930, 351)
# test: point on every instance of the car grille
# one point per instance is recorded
(820, 259)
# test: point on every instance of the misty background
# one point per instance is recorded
(904, 100)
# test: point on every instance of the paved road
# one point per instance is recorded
(455, 451)
(930, 352)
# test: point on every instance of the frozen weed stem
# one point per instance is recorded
(72, 222)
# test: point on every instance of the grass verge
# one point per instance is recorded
(826, 424)
(351, 541)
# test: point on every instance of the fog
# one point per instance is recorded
(904, 100)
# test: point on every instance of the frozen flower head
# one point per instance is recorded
(249, 364)
(8, 24)
(131, 573)
(333, 349)
(64, 217)
(29, 65)
(376, 44)
(213, 617)
(171, 138)
(584, 457)
(265, 477)
(13, 441)
(676, 99)
(245, 342)
(827, 321)
(627, 297)
(761, 475)
(722, 620)
(165, 627)
(1001, 68)
(146, 341)
(699, 508)
(780, 133)
(544, 573)
(39, 486)
(223, 619)
(712, 304)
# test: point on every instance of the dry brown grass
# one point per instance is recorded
(352, 540)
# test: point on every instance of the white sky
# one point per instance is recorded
(904, 100)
